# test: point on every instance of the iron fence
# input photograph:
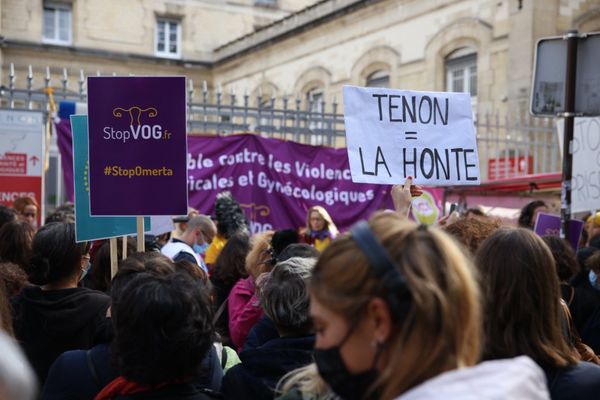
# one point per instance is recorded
(509, 145)
(516, 145)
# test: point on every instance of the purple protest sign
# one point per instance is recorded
(137, 132)
(549, 225)
(65, 147)
(277, 181)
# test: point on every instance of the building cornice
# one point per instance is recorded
(295, 23)
(303, 20)
(100, 53)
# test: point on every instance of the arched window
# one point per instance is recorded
(378, 78)
(314, 99)
(461, 71)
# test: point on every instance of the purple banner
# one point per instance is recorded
(137, 145)
(276, 193)
(64, 138)
(277, 181)
(549, 225)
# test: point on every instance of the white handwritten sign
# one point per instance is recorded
(393, 134)
(585, 192)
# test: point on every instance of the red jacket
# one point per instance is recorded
(244, 311)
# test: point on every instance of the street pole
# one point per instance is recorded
(572, 38)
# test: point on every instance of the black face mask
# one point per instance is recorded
(346, 385)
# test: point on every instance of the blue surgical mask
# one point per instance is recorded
(594, 280)
(200, 248)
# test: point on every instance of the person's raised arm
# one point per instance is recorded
(403, 194)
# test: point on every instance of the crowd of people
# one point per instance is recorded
(390, 309)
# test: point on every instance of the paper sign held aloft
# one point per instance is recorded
(393, 134)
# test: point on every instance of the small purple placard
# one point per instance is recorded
(137, 146)
(549, 225)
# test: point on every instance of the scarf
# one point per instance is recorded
(321, 235)
(123, 386)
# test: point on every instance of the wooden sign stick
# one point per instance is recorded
(124, 251)
(140, 234)
(114, 259)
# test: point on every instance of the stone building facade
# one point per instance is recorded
(482, 46)
(127, 37)
(306, 49)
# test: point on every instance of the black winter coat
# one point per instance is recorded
(81, 374)
(580, 382)
(50, 322)
(262, 368)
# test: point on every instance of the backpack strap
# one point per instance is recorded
(220, 311)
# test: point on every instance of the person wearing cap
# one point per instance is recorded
(184, 247)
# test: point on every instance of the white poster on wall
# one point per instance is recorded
(585, 189)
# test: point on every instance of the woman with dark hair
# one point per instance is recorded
(57, 315)
(6, 215)
(81, 374)
(522, 313)
(581, 300)
(281, 240)
(229, 268)
(163, 330)
(15, 242)
(529, 213)
(230, 219)
(99, 277)
(591, 330)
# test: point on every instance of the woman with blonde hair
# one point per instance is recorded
(243, 305)
(320, 229)
(396, 310)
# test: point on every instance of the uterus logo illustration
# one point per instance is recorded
(139, 128)
(135, 113)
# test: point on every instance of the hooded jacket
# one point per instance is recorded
(262, 368)
(515, 378)
(244, 311)
(50, 322)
